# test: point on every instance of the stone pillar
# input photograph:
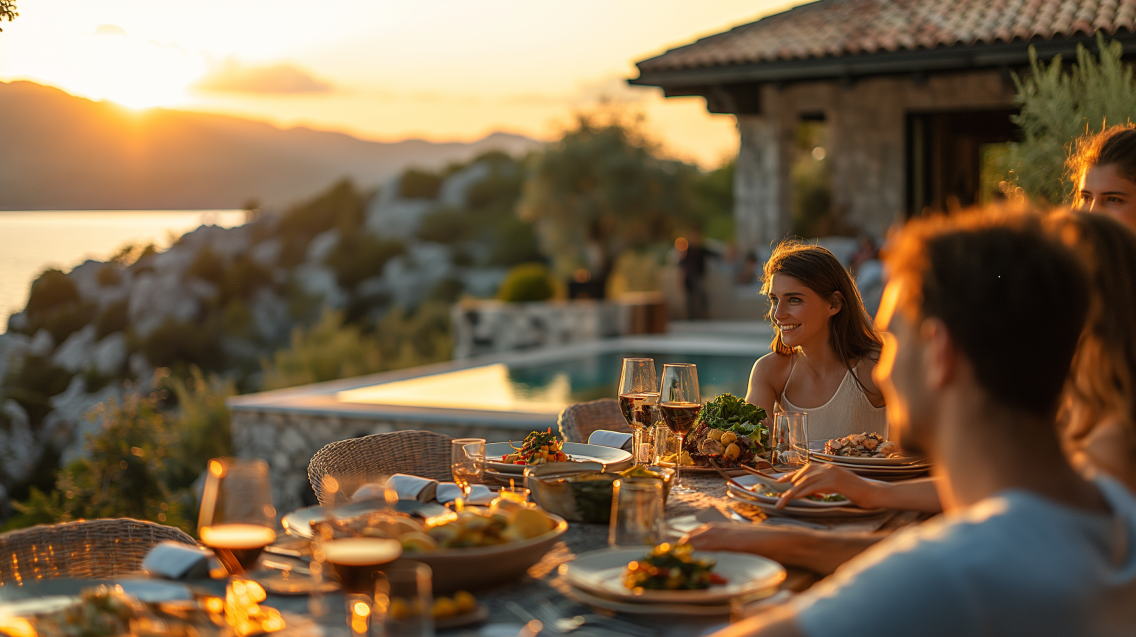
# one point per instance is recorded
(757, 186)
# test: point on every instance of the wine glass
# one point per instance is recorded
(237, 519)
(638, 394)
(679, 404)
(467, 461)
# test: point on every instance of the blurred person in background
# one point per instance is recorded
(824, 345)
(1104, 169)
(1027, 546)
(692, 261)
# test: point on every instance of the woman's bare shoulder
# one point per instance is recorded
(864, 368)
(773, 369)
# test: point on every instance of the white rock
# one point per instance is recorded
(76, 352)
(410, 278)
(155, 298)
(138, 366)
(13, 346)
(19, 452)
(70, 421)
(85, 277)
(322, 245)
(109, 354)
(389, 215)
(319, 281)
(455, 188)
(483, 282)
(266, 253)
(270, 316)
(42, 343)
(17, 321)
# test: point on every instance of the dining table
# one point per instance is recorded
(542, 594)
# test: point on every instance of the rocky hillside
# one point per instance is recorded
(225, 300)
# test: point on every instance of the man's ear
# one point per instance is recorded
(835, 303)
(939, 353)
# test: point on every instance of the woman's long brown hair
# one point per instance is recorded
(1102, 381)
(850, 331)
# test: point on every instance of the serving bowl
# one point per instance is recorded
(582, 492)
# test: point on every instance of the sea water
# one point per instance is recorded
(33, 241)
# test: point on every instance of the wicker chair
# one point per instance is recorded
(358, 461)
(88, 549)
(578, 421)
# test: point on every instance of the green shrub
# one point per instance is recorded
(514, 243)
(527, 282)
(418, 338)
(33, 383)
(341, 206)
(114, 318)
(327, 350)
(64, 320)
(243, 277)
(360, 255)
(447, 290)
(201, 423)
(179, 345)
(51, 290)
(419, 184)
(207, 266)
(446, 225)
(1059, 104)
(109, 276)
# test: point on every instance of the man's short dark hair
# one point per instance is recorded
(1013, 298)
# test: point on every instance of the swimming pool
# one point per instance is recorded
(547, 386)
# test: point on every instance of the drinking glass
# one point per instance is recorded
(237, 519)
(679, 404)
(790, 440)
(636, 513)
(638, 394)
(467, 461)
(403, 599)
(356, 561)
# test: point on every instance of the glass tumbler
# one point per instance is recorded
(790, 440)
(403, 599)
(636, 513)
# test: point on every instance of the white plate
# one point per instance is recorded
(153, 591)
(613, 459)
(654, 610)
(600, 573)
(298, 523)
(816, 448)
(750, 481)
(887, 472)
(37, 605)
(749, 497)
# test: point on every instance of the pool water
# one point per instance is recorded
(547, 387)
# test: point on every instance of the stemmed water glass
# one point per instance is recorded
(679, 404)
(237, 519)
(467, 462)
(638, 395)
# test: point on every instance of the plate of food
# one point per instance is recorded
(299, 523)
(769, 508)
(728, 431)
(868, 449)
(672, 574)
(546, 447)
(769, 491)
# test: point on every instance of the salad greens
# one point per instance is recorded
(730, 413)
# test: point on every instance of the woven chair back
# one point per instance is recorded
(89, 549)
(578, 421)
(355, 462)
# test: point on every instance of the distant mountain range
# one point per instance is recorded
(60, 152)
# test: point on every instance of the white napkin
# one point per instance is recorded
(606, 438)
(478, 493)
(174, 560)
(406, 486)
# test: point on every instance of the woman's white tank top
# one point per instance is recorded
(848, 411)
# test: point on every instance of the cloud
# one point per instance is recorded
(112, 30)
(232, 76)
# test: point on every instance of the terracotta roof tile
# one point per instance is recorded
(829, 28)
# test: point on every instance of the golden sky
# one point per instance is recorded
(443, 70)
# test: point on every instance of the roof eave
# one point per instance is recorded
(937, 60)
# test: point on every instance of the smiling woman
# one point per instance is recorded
(824, 347)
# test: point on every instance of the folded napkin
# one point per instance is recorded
(478, 493)
(605, 438)
(174, 560)
(424, 490)
(406, 486)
